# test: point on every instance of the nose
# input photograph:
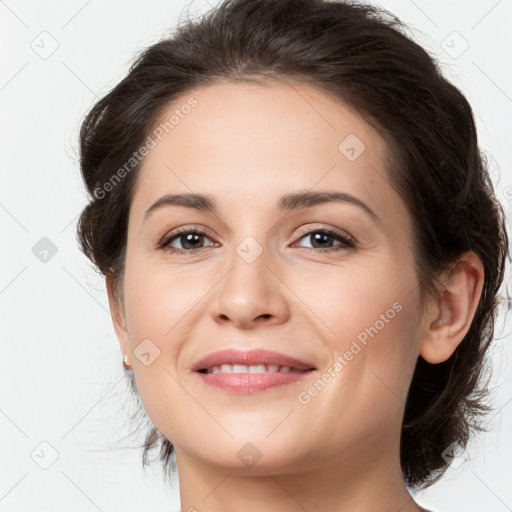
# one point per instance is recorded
(250, 294)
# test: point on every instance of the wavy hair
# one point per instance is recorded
(363, 56)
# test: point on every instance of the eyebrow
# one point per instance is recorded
(289, 202)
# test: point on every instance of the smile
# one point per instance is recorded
(254, 368)
(250, 371)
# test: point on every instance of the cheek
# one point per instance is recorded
(358, 299)
(161, 306)
(158, 302)
(369, 322)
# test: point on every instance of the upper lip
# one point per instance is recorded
(250, 357)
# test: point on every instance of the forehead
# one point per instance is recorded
(245, 141)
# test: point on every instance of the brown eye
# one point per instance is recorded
(190, 240)
(323, 240)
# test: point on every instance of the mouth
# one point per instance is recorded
(253, 368)
(251, 371)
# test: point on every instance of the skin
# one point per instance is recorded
(247, 145)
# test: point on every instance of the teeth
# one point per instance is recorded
(255, 368)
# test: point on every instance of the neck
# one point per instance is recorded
(358, 486)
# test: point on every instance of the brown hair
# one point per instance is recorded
(360, 54)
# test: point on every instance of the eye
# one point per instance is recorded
(190, 240)
(322, 240)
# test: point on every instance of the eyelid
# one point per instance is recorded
(174, 233)
(185, 229)
(338, 231)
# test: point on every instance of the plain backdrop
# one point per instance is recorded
(63, 398)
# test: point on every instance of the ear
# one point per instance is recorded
(448, 322)
(118, 318)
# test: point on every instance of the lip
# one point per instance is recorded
(250, 357)
(247, 383)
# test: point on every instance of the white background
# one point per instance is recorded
(60, 365)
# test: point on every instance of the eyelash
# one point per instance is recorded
(346, 241)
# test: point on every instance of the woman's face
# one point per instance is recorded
(267, 274)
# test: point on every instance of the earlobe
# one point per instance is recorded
(456, 306)
(117, 317)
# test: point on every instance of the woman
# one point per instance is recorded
(303, 253)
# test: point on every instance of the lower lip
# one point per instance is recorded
(251, 382)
